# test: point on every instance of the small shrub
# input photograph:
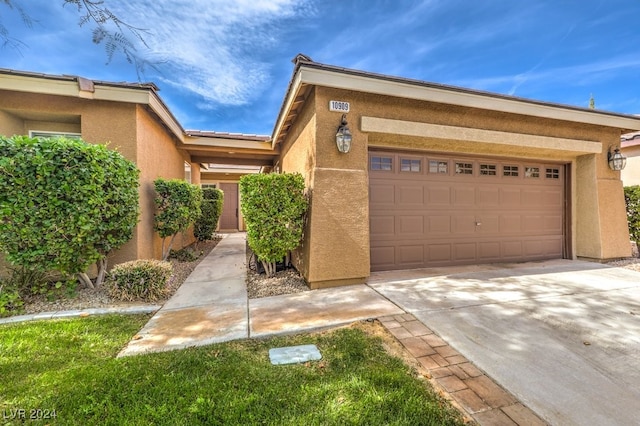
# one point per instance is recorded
(24, 279)
(10, 300)
(53, 290)
(274, 207)
(185, 255)
(206, 224)
(177, 207)
(632, 200)
(144, 279)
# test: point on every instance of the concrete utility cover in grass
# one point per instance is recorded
(294, 354)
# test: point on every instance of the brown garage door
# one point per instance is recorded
(433, 210)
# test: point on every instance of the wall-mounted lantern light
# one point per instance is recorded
(343, 136)
(616, 160)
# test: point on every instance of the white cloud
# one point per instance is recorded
(215, 49)
(582, 74)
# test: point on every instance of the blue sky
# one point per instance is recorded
(224, 65)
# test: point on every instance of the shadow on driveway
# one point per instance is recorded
(562, 336)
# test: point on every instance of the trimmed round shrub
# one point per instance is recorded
(145, 279)
(211, 208)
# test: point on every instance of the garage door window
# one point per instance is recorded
(464, 168)
(510, 170)
(488, 169)
(436, 166)
(532, 172)
(381, 163)
(410, 165)
(553, 173)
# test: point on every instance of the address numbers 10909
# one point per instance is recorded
(339, 106)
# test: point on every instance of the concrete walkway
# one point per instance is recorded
(212, 306)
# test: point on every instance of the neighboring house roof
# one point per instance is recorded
(204, 146)
(630, 139)
(309, 73)
(74, 86)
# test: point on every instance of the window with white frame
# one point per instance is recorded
(47, 134)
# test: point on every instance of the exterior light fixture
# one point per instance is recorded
(343, 136)
(616, 160)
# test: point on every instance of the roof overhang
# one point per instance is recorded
(308, 73)
(229, 149)
(79, 87)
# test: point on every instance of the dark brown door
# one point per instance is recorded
(435, 210)
(229, 217)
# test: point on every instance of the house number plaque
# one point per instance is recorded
(339, 106)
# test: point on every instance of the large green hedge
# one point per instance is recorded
(177, 207)
(273, 206)
(632, 200)
(206, 224)
(64, 203)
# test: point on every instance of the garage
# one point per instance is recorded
(440, 210)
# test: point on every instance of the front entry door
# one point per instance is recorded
(229, 217)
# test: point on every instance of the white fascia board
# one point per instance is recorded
(230, 143)
(467, 134)
(165, 115)
(293, 93)
(121, 94)
(461, 98)
(20, 83)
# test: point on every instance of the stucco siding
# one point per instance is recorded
(339, 182)
(10, 124)
(298, 155)
(158, 156)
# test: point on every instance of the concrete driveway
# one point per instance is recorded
(562, 336)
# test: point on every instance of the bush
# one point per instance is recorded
(64, 203)
(273, 206)
(145, 280)
(207, 222)
(10, 300)
(632, 200)
(178, 206)
(185, 255)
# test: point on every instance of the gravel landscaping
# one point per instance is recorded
(258, 285)
(284, 282)
(98, 298)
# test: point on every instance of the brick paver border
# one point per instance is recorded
(458, 379)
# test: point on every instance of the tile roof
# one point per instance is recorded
(303, 60)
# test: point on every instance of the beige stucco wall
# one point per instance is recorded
(337, 188)
(158, 156)
(601, 220)
(10, 124)
(298, 155)
(126, 127)
(335, 249)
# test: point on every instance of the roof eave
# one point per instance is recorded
(73, 86)
(313, 73)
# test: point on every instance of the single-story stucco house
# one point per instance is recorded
(435, 175)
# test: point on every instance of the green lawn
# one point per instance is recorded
(69, 366)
